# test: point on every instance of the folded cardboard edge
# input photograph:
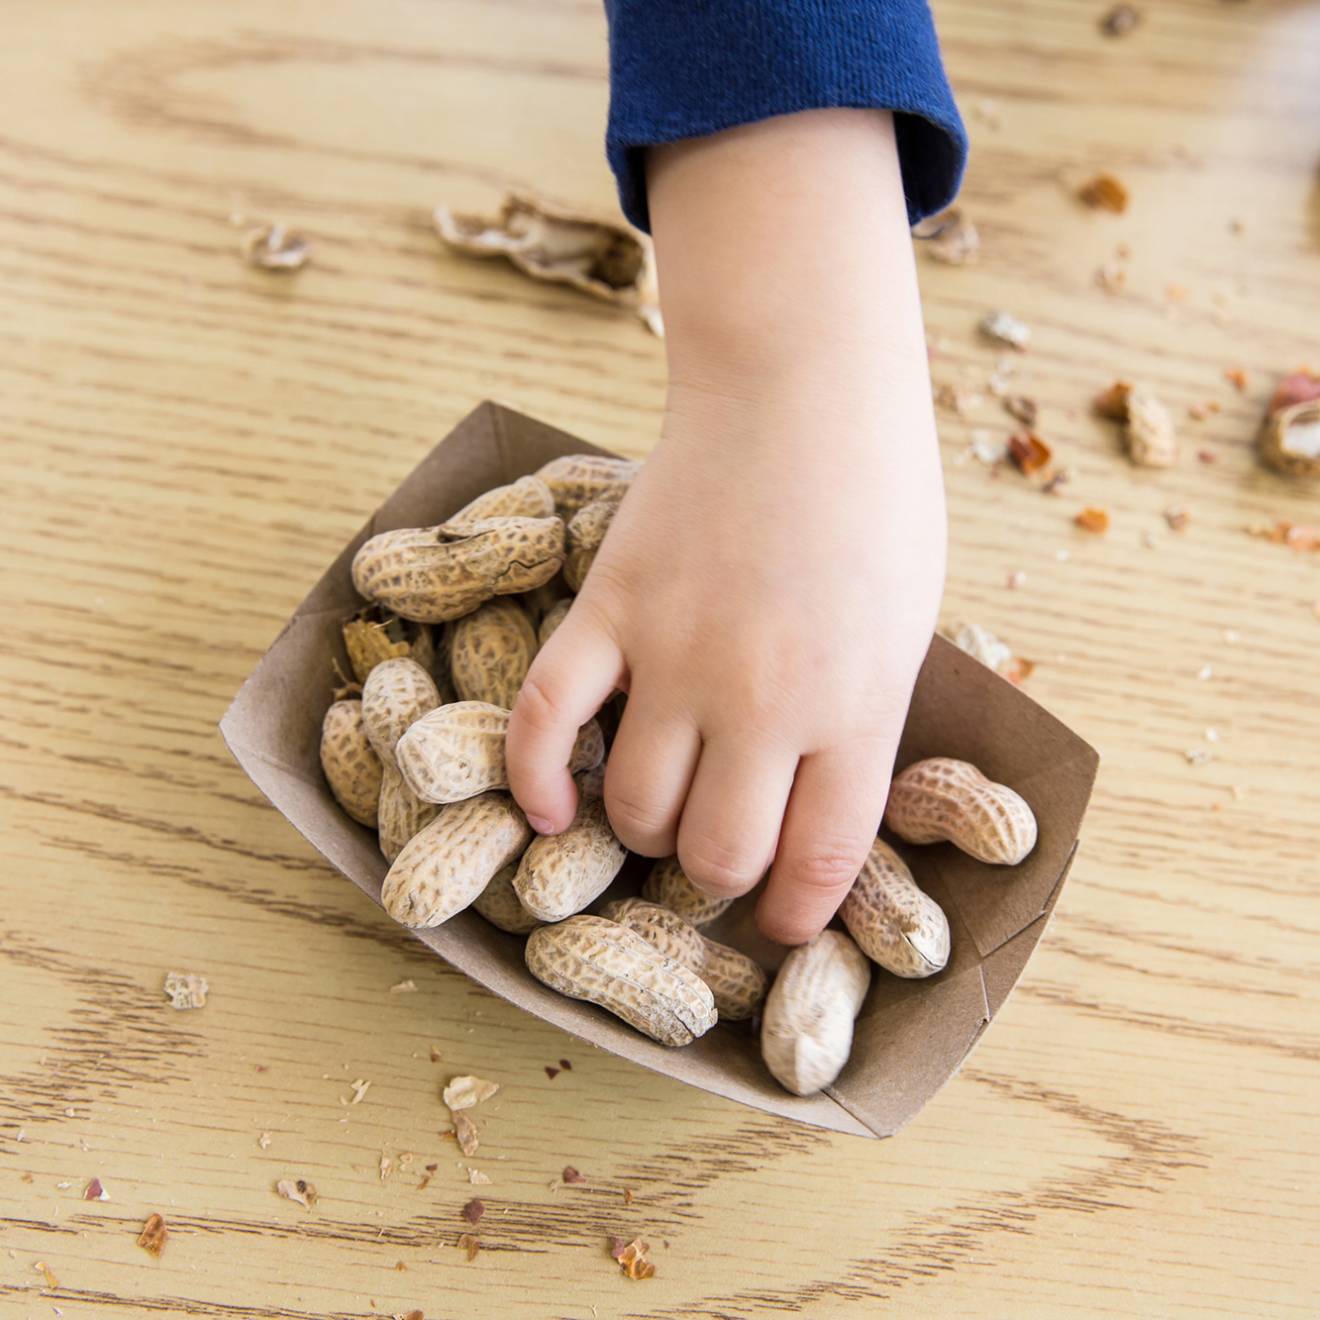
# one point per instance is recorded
(500, 415)
(1009, 960)
(1087, 762)
(1081, 760)
(995, 978)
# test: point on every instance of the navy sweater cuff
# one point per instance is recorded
(686, 68)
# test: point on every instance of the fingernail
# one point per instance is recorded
(541, 825)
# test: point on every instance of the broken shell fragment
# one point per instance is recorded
(1148, 435)
(950, 238)
(1007, 329)
(1289, 439)
(272, 247)
(603, 257)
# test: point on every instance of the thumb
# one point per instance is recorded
(571, 678)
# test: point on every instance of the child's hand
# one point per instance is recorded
(769, 586)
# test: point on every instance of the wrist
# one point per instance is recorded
(783, 247)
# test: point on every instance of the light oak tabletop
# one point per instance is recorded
(188, 442)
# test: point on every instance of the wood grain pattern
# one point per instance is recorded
(188, 441)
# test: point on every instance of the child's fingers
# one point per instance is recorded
(651, 765)
(731, 819)
(833, 814)
(569, 681)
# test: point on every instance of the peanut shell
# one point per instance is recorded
(943, 799)
(457, 751)
(1290, 440)
(396, 693)
(352, 768)
(669, 886)
(807, 1025)
(401, 813)
(981, 644)
(561, 873)
(736, 982)
(541, 600)
(490, 652)
(591, 783)
(893, 921)
(660, 928)
(433, 574)
(500, 905)
(1149, 435)
(528, 497)
(577, 479)
(446, 866)
(607, 964)
(554, 616)
(586, 530)
(594, 253)
(374, 634)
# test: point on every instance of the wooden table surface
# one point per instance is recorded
(187, 444)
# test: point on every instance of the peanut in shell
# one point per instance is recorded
(894, 922)
(735, 980)
(607, 964)
(434, 574)
(457, 751)
(352, 768)
(490, 652)
(807, 1025)
(668, 885)
(447, 865)
(561, 873)
(941, 799)
(577, 479)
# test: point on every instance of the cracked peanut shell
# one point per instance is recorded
(374, 634)
(894, 922)
(434, 574)
(943, 799)
(595, 253)
(445, 867)
(1289, 439)
(609, 965)
(807, 1025)
(457, 751)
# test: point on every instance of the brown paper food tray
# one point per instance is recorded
(911, 1036)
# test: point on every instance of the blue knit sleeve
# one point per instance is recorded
(685, 68)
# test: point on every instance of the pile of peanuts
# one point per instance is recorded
(415, 750)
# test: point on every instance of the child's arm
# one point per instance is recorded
(769, 587)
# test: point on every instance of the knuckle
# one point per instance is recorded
(635, 820)
(717, 868)
(789, 928)
(825, 867)
(539, 705)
